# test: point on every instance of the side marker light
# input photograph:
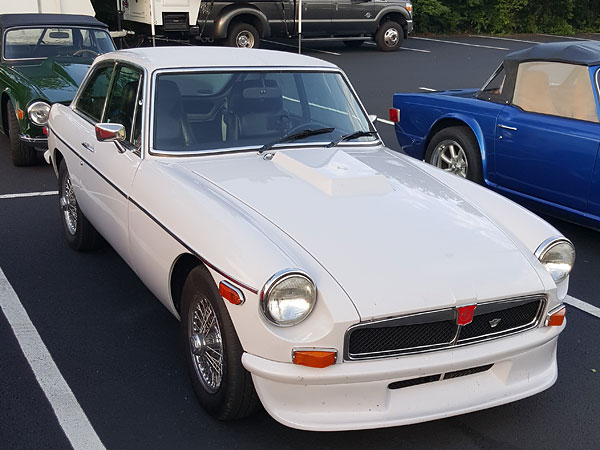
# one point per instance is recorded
(231, 293)
(557, 318)
(395, 115)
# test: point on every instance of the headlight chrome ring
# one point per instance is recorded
(288, 297)
(38, 112)
(557, 255)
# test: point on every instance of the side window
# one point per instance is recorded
(92, 98)
(494, 89)
(121, 102)
(558, 89)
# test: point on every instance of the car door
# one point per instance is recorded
(111, 165)
(316, 17)
(548, 138)
(353, 17)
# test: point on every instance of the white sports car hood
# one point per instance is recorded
(395, 238)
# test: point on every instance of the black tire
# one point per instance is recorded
(463, 137)
(354, 44)
(240, 33)
(234, 397)
(389, 36)
(21, 153)
(80, 233)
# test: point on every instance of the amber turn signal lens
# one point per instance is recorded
(231, 293)
(20, 114)
(314, 358)
(557, 319)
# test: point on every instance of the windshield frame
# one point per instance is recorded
(230, 150)
(22, 27)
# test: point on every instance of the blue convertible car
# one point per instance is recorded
(531, 133)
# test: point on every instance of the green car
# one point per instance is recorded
(44, 60)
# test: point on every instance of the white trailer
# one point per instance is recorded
(170, 15)
(47, 6)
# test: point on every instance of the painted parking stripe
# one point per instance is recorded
(583, 306)
(504, 39)
(404, 48)
(305, 48)
(69, 413)
(29, 194)
(387, 122)
(428, 89)
(460, 43)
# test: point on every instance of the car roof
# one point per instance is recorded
(17, 20)
(584, 53)
(154, 58)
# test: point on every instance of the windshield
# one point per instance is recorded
(209, 111)
(44, 42)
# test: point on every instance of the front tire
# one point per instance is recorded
(389, 36)
(455, 150)
(213, 351)
(80, 233)
(21, 153)
(243, 35)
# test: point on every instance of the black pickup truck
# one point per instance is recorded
(245, 23)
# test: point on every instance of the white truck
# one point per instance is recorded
(47, 6)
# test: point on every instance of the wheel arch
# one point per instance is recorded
(394, 15)
(56, 158)
(182, 266)
(241, 14)
(454, 120)
(4, 111)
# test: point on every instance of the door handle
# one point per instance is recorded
(87, 146)
(506, 127)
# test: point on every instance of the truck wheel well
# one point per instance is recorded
(395, 17)
(446, 123)
(4, 102)
(249, 19)
(181, 269)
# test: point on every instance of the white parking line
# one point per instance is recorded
(428, 89)
(304, 48)
(69, 413)
(29, 194)
(404, 48)
(387, 122)
(460, 43)
(503, 39)
(590, 309)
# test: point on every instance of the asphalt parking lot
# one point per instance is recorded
(116, 347)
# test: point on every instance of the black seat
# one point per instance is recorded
(127, 105)
(255, 110)
(172, 128)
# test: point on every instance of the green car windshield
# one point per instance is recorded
(44, 42)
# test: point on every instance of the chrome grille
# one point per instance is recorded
(435, 330)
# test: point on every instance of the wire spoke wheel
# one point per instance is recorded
(68, 205)
(206, 344)
(451, 157)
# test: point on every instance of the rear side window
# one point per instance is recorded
(92, 98)
(123, 93)
(558, 89)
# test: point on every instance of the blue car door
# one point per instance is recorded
(547, 146)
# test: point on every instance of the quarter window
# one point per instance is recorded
(92, 99)
(557, 89)
(121, 103)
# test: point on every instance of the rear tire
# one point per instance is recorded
(213, 351)
(80, 233)
(21, 153)
(461, 142)
(243, 35)
(389, 36)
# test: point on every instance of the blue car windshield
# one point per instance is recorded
(221, 111)
(44, 42)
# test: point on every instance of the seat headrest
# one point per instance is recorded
(167, 94)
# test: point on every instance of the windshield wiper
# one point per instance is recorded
(349, 137)
(296, 136)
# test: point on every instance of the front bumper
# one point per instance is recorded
(39, 142)
(355, 395)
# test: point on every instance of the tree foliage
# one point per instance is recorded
(507, 16)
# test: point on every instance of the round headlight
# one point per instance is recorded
(558, 256)
(38, 113)
(288, 298)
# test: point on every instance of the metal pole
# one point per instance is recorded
(152, 26)
(300, 26)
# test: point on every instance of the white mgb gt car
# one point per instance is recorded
(339, 283)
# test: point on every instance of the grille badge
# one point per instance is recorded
(494, 322)
(465, 314)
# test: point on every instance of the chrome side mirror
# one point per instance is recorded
(110, 132)
(373, 118)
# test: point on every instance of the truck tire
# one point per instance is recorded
(389, 36)
(243, 35)
(21, 153)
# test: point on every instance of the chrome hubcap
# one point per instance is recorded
(206, 344)
(245, 39)
(390, 37)
(68, 205)
(451, 157)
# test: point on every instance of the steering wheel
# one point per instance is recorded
(85, 50)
